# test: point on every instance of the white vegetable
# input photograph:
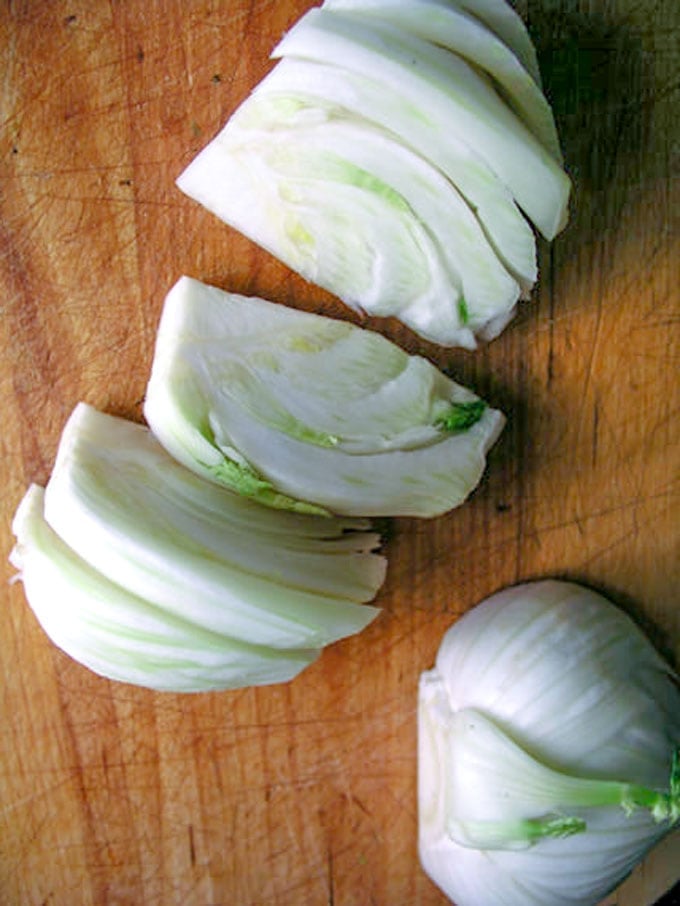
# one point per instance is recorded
(441, 23)
(445, 291)
(202, 553)
(305, 90)
(302, 411)
(381, 242)
(123, 637)
(506, 24)
(386, 158)
(447, 90)
(548, 750)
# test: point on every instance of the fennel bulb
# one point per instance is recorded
(201, 553)
(301, 411)
(549, 735)
(122, 636)
(403, 201)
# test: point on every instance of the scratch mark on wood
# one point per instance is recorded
(105, 764)
(331, 891)
(361, 805)
(192, 847)
(37, 795)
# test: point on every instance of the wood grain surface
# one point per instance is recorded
(304, 794)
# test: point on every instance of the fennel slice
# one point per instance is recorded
(446, 25)
(120, 635)
(274, 384)
(449, 90)
(154, 527)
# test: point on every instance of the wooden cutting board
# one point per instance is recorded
(304, 794)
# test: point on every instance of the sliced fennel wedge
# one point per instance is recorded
(447, 90)
(305, 91)
(200, 552)
(441, 23)
(397, 155)
(548, 750)
(325, 412)
(398, 239)
(120, 635)
(417, 253)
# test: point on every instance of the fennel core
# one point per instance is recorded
(461, 416)
(558, 792)
(244, 480)
(662, 805)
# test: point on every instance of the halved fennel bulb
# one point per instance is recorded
(201, 553)
(386, 158)
(549, 743)
(122, 636)
(301, 411)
